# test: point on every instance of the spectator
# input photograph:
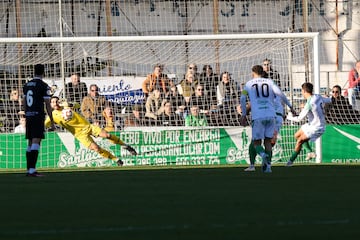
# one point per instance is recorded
(354, 84)
(209, 80)
(192, 69)
(187, 86)
(201, 100)
(75, 90)
(269, 72)
(154, 104)
(228, 100)
(137, 118)
(21, 128)
(14, 96)
(195, 118)
(12, 107)
(169, 117)
(205, 105)
(340, 111)
(93, 104)
(110, 122)
(178, 101)
(156, 80)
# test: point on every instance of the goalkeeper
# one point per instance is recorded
(83, 131)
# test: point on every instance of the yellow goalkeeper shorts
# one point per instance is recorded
(84, 137)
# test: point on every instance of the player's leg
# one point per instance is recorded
(28, 155)
(32, 154)
(274, 138)
(252, 156)
(89, 142)
(310, 153)
(307, 146)
(301, 137)
(269, 126)
(259, 131)
(258, 134)
(34, 133)
(103, 152)
(261, 151)
(116, 140)
(278, 124)
(268, 151)
(112, 138)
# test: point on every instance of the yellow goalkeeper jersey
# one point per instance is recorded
(75, 123)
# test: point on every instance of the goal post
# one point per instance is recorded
(114, 62)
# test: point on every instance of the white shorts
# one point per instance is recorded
(263, 128)
(312, 132)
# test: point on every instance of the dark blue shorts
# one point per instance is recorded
(35, 127)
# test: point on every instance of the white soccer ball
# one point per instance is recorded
(67, 114)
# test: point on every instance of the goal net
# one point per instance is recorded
(120, 65)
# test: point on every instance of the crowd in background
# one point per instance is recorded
(198, 99)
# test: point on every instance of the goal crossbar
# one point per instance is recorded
(312, 35)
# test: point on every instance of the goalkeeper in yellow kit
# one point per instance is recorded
(83, 130)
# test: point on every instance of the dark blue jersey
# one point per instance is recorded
(35, 91)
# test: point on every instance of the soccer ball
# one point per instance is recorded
(67, 114)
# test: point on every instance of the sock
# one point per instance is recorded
(34, 153)
(260, 150)
(106, 154)
(307, 146)
(28, 157)
(35, 157)
(294, 156)
(116, 140)
(270, 156)
(252, 153)
(31, 160)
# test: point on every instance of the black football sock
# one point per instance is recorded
(28, 160)
(35, 157)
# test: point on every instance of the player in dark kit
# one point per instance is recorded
(36, 94)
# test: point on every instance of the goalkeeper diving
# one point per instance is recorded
(83, 131)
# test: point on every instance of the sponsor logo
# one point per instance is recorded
(349, 136)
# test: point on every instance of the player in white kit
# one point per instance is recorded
(279, 115)
(261, 92)
(314, 110)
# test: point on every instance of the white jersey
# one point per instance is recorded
(261, 92)
(314, 110)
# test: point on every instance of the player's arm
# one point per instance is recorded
(326, 99)
(351, 76)
(47, 122)
(301, 116)
(243, 98)
(49, 112)
(74, 105)
(283, 98)
(23, 103)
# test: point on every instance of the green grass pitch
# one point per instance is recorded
(312, 201)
